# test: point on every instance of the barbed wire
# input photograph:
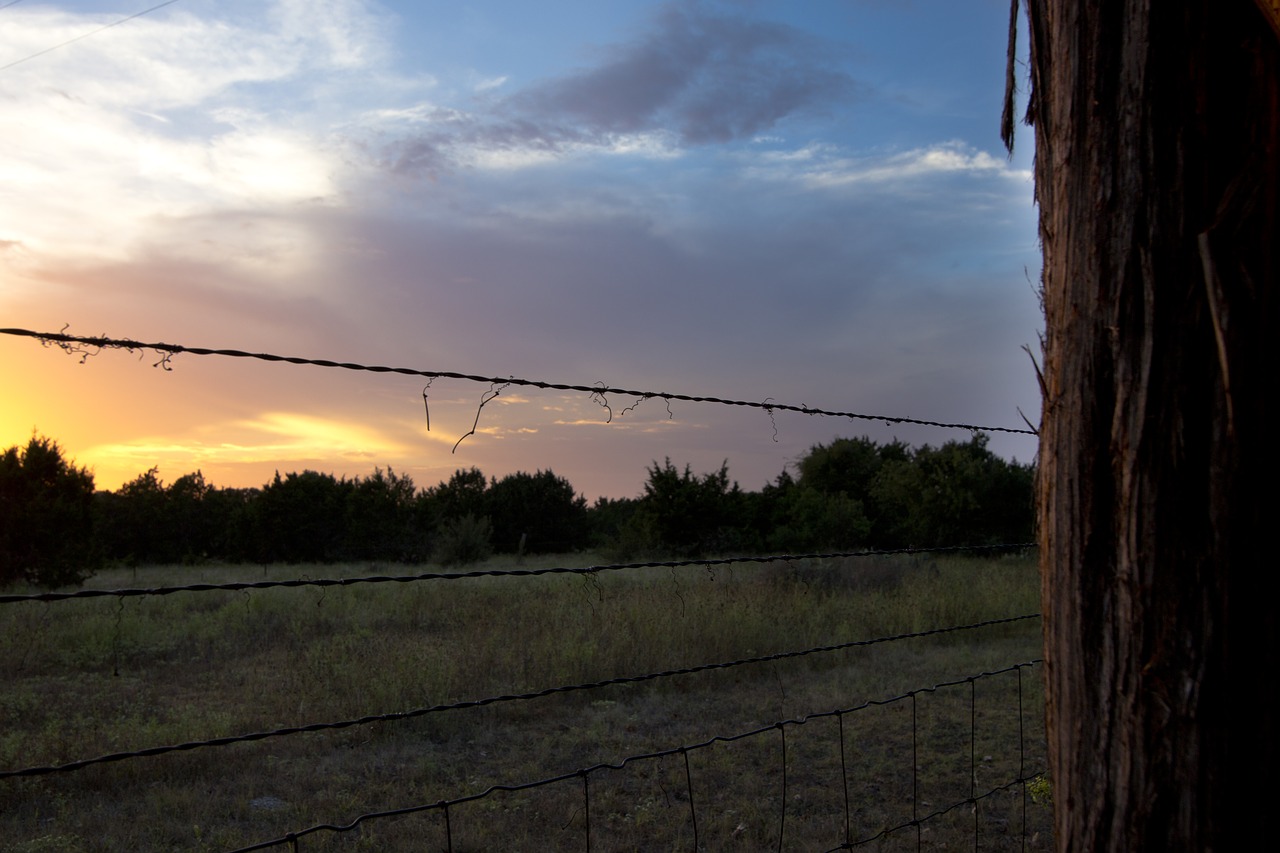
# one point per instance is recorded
(75, 344)
(238, 586)
(415, 713)
(83, 36)
(293, 837)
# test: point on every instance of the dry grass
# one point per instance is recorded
(91, 677)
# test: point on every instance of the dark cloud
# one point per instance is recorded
(701, 76)
(706, 77)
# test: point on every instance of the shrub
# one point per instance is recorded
(464, 540)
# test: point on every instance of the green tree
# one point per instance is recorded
(46, 516)
(685, 515)
(129, 520)
(607, 518)
(300, 518)
(146, 522)
(960, 493)
(846, 465)
(382, 520)
(540, 510)
(230, 513)
(190, 524)
(813, 520)
(854, 468)
(463, 494)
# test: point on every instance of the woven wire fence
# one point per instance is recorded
(947, 762)
(976, 796)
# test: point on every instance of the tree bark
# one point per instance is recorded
(1157, 142)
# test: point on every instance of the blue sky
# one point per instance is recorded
(804, 201)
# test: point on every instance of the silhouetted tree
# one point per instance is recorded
(541, 509)
(46, 516)
(607, 518)
(130, 520)
(382, 520)
(685, 515)
(230, 512)
(463, 494)
(300, 518)
(191, 525)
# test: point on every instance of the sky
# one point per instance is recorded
(800, 202)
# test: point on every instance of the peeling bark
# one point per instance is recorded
(1157, 142)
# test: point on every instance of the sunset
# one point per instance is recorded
(639, 425)
(803, 203)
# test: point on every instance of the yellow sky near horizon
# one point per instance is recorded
(119, 415)
(383, 184)
(240, 421)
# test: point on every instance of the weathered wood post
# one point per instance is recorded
(1157, 145)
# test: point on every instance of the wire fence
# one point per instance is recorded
(916, 822)
(587, 571)
(493, 700)
(820, 782)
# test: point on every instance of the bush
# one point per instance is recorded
(464, 540)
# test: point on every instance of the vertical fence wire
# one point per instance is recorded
(1022, 762)
(915, 775)
(782, 820)
(693, 811)
(844, 780)
(973, 757)
(586, 809)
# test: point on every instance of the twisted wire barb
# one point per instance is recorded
(492, 700)
(72, 342)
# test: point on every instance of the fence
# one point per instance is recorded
(907, 769)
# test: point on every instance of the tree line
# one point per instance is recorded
(851, 493)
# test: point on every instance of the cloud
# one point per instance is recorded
(694, 78)
(828, 167)
(157, 120)
(265, 438)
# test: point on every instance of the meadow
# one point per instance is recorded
(90, 677)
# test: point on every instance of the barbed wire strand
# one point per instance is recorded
(293, 837)
(494, 700)
(238, 586)
(70, 343)
(83, 36)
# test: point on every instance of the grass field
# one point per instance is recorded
(90, 677)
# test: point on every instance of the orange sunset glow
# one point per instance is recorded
(371, 183)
